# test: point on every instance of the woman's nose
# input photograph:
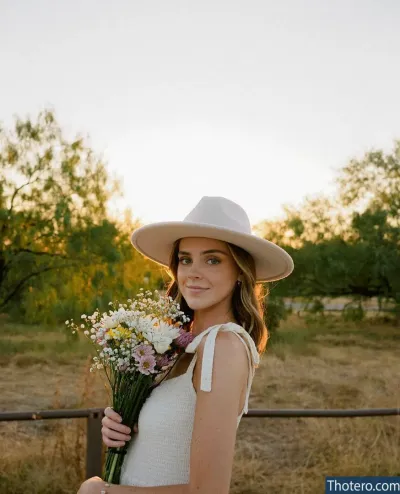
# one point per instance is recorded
(194, 270)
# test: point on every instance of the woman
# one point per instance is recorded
(186, 430)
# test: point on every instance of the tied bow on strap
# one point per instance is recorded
(208, 354)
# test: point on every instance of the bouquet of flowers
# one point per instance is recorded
(135, 343)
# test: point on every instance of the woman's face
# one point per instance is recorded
(208, 264)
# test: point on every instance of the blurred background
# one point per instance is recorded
(117, 114)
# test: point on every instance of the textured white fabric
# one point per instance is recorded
(159, 454)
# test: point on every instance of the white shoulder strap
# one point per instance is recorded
(208, 354)
(249, 378)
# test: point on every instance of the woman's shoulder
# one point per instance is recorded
(212, 333)
(226, 347)
(214, 359)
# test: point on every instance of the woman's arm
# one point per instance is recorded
(215, 422)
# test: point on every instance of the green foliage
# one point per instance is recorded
(353, 313)
(275, 311)
(376, 179)
(347, 247)
(53, 204)
(317, 307)
(60, 255)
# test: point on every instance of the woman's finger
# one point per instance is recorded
(112, 414)
(113, 444)
(111, 434)
(115, 426)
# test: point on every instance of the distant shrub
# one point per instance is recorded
(275, 311)
(353, 313)
(317, 307)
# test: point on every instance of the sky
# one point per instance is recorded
(258, 101)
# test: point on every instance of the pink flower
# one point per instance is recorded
(146, 364)
(184, 338)
(142, 351)
(163, 360)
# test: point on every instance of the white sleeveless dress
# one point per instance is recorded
(159, 454)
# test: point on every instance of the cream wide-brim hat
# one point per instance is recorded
(221, 219)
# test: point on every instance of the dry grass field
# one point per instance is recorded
(321, 363)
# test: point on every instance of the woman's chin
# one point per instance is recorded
(196, 304)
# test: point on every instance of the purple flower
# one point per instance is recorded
(146, 364)
(184, 338)
(142, 351)
(163, 360)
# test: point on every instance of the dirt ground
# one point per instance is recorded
(323, 365)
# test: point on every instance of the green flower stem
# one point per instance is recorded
(129, 397)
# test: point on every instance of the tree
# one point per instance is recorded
(349, 246)
(53, 197)
(372, 185)
(373, 182)
(316, 220)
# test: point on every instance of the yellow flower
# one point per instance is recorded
(123, 333)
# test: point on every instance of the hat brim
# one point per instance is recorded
(156, 240)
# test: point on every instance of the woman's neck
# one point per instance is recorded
(201, 322)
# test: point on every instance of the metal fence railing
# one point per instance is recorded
(94, 416)
(93, 432)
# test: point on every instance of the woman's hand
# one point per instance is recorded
(94, 485)
(114, 433)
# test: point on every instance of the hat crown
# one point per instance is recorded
(220, 212)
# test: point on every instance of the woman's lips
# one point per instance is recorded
(196, 290)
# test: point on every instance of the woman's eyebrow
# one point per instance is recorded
(211, 251)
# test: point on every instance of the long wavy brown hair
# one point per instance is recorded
(247, 300)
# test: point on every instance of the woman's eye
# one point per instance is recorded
(212, 261)
(182, 259)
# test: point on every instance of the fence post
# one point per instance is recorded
(94, 445)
